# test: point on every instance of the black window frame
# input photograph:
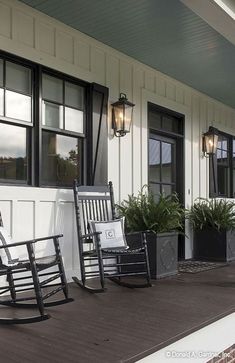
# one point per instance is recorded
(34, 146)
(28, 126)
(217, 168)
(81, 137)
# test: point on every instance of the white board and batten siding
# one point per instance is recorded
(32, 212)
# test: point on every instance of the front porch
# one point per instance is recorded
(123, 325)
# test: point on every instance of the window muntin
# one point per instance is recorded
(63, 104)
(13, 153)
(61, 157)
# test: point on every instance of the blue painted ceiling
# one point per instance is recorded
(164, 34)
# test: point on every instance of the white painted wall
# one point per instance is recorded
(30, 212)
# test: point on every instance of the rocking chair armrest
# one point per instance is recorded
(34, 240)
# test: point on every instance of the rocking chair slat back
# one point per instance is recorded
(92, 203)
(96, 203)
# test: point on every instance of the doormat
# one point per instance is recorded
(193, 267)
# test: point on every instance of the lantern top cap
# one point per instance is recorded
(123, 101)
(212, 130)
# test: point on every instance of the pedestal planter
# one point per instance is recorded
(163, 253)
(212, 245)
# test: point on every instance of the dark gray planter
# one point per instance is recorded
(212, 245)
(163, 253)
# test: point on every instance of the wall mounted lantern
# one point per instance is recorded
(210, 141)
(122, 113)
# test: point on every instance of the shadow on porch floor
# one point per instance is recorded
(122, 325)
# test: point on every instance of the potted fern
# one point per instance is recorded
(163, 217)
(213, 223)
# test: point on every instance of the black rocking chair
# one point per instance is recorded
(94, 205)
(26, 279)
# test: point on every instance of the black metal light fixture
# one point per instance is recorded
(122, 113)
(210, 141)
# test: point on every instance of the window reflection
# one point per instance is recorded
(13, 162)
(60, 156)
(52, 115)
(18, 78)
(73, 120)
(52, 88)
(18, 106)
(74, 95)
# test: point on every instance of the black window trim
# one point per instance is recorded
(214, 190)
(34, 144)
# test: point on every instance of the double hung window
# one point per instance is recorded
(16, 106)
(222, 181)
(51, 126)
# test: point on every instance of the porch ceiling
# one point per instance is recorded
(165, 35)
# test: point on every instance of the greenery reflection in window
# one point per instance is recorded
(60, 159)
(13, 162)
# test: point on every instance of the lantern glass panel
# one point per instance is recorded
(128, 117)
(119, 113)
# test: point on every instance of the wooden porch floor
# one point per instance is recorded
(122, 325)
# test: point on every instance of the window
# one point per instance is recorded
(63, 118)
(16, 117)
(165, 150)
(47, 136)
(222, 180)
(13, 151)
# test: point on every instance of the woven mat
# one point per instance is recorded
(194, 267)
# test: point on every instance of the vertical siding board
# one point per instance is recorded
(204, 186)
(138, 84)
(217, 115)
(5, 21)
(82, 55)
(98, 65)
(45, 38)
(179, 94)
(65, 46)
(112, 82)
(160, 86)
(170, 91)
(23, 28)
(126, 166)
(195, 148)
(150, 81)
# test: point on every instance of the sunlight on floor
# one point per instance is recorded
(200, 346)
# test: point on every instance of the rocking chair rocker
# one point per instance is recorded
(32, 276)
(103, 250)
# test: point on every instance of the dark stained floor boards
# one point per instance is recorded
(122, 325)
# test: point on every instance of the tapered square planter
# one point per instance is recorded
(163, 253)
(212, 245)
